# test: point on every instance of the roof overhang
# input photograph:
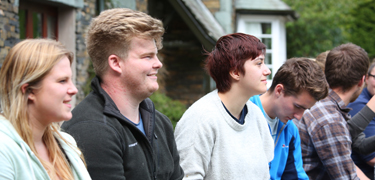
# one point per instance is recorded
(200, 20)
(292, 15)
(265, 7)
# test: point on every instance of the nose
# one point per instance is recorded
(72, 89)
(267, 71)
(157, 64)
(298, 115)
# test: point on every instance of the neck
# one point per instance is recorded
(37, 127)
(234, 101)
(347, 95)
(268, 102)
(127, 104)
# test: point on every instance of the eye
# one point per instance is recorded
(298, 106)
(63, 81)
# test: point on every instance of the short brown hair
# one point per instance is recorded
(112, 31)
(298, 74)
(230, 53)
(345, 66)
(321, 59)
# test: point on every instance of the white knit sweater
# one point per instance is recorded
(213, 146)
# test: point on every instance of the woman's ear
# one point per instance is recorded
(25, 89)
(234, 74)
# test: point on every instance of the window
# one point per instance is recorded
(37, 20)
(271, 31)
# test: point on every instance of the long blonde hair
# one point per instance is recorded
(29, 62)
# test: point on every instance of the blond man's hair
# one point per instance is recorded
(112, 31)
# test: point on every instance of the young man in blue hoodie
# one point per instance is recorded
(297, 85)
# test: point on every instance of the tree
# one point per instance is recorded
(322, 25)
(362, 29)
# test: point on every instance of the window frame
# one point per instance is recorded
(45, 11)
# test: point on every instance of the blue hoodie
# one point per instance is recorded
(18, 162)
(287, 162)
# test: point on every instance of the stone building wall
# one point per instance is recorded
(182, 76)
(9, 27)
(83, 17)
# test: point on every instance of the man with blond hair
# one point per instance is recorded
(120, 133)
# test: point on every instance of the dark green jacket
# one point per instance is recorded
(116, 149)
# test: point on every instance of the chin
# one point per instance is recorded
(67, 117)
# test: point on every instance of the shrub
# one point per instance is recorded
(173, 109)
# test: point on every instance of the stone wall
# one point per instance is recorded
(9, 27)
(83, 17)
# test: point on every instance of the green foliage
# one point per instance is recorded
(173, 109)
(87, 87)
(362, 29)
(322, 25)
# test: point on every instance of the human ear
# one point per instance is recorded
(114, 63)
(279, 90)
(25, 89)
(361, 82)
(235, 74)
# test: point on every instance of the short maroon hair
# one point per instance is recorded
(230, 53)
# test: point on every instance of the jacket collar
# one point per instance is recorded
(146, 108)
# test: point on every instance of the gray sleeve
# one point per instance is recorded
(364, 145)
(356, 126)
(359, 122)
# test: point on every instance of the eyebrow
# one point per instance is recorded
(258, 58)
(149, 53)
(300, 106)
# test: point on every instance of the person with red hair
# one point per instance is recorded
(223, 135)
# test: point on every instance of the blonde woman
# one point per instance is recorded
(35, 92)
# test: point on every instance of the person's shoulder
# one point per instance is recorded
(67, 137)
(160, 117)
(292, 128)
(206, 102)
(87, 111)
(7, 143)
(254, 109)
(323, 110)
(207, 107)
